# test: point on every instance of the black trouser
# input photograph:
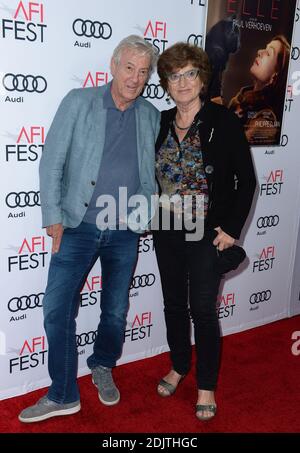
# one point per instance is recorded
(189, 280)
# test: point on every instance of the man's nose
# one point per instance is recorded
(135, 76)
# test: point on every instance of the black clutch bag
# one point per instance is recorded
(230, 259)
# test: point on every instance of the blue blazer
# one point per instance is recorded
(72, 155)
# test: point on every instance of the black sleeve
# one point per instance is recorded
(243, 168)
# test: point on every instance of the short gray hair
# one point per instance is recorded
(138, 44)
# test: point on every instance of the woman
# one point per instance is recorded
(200, 149)
(260, 106)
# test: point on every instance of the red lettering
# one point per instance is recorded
(275, 176)
(34, 131)
(231, 3)
(37, 240)
(94, 281)
(267, 251)
(33, 8)
(149, 27)
(274, 8)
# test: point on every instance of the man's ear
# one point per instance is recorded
(112, 67)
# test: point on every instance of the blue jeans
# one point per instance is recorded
(69, 268)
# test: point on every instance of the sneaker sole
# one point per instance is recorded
(106, 403)
(70, 411)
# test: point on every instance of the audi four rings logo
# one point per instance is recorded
(267, 221)
(23, 199)
(21, 83)
(263, 296)
(91, 29)
(141, 281)
(86, 338)
(25, 302)
(195, 39)
(152, 91)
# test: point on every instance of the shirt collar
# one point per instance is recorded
(108, 102)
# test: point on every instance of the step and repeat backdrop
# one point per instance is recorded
(49, 47)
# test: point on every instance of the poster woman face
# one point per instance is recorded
(265, 63)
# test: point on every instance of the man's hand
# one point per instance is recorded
(223, 240)
(55, 231)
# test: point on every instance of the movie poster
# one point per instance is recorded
(249, 44)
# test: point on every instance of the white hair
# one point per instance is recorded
(138, 44)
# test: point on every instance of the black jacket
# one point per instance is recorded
(227, 163)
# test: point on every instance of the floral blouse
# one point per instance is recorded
(179, 167)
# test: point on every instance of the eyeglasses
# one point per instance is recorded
(190, 75)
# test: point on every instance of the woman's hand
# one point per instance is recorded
(223, 240)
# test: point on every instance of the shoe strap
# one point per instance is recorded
(166, 385)
(206, 407)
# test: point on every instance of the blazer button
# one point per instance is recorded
(93, 183)
(209, 169)
(86, 205)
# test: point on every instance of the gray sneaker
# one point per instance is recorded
(107, 390)
(46, 408)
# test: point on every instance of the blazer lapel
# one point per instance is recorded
(141, 128)
(98, 120)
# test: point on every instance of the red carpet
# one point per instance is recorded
(259, 392)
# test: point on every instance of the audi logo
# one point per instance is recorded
(23, 199)
(267, 221)
(141, 281)
(152, 91)
(86, 338)
(195, 39)
(263, 296)
(91, 29)
(24, 302)
(295, 53)
(21, 82)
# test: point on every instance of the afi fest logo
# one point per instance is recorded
(90, 293)
(31, 255)
(226, 305)
(146, 244)
(28, 145)
(140, 327)
(274, 184)
(94, 79)
(27, 22)
(32, 354)
(265, 260)
(156, 33)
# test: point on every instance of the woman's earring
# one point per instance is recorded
(168, 101)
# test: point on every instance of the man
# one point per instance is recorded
(101, 139)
